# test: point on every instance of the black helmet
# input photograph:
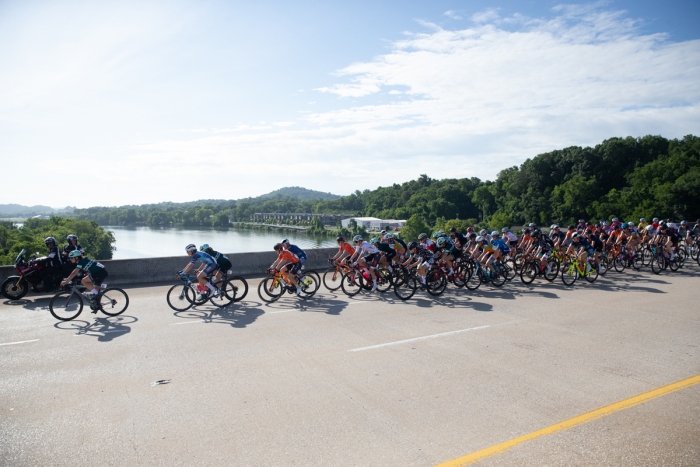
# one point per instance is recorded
(72, 237)
(277, 247)
(453, 230)
(472, 235)
(412, 245)
(50, 241)
(536, 233)
(340, 238)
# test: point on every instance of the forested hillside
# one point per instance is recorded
(624, 177)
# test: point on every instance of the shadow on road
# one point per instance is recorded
(238, 315)
(104, 329)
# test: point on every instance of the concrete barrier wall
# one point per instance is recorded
(149, 270)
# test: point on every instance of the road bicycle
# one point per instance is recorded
(273, 286)
(182, 297)
(332, 277)
(482, 275)
(534, 267)
(572, 268)
(357, 277)
(68, 304)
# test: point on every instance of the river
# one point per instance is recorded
(150, 242)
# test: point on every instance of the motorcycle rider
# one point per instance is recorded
(53, 263)
(72, 245)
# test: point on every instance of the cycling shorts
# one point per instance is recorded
(390, 255)
(210, 269)
(98, 277)
(296, 267)
(225, 266)
(590, 251)
(371, 259)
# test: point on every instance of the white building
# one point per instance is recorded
(364, 221)
(383, 224)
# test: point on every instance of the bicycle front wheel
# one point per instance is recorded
(308, 284)
(352, 283)
(181, 297)
(528, 272)
(113, 301)
(332, 278)
(66, 306)
(270, 289)
(239, 287)
(569, 273)
(406, 288)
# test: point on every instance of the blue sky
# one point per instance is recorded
(176, 101)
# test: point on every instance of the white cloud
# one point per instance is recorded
(486, 16)
(452, 14)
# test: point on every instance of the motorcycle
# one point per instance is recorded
(30, 276)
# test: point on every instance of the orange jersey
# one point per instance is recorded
(347, 248)
(289, 256)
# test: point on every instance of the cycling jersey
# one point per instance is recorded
(400, 242)
(347, 248)
(202, 257)
(385, 247)
(423, 253)
(89, 266)
(430, 245)
(501, 245)
(221, 259)
(460, 238)
(511, 236)
(545, 244)
(288, 256)
(298, 252)
(365, 248)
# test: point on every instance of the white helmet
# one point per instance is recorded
(357, 238)
(479, 238)
(191, 247)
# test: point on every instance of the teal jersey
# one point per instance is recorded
(89, 266)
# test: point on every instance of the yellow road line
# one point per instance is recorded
(572, 422)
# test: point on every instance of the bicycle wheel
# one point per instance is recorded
(384, 280)
(551, 271)
(509, 267)
(638, 261)
(474, 279)
(225, 297)
(308, 285)
(569, 273)
(351, 283)
(498, 276)
(332, 278)
(591, 273)
(603, 265)
(436, 282)
(270, 289)
(315, 275)
(181, 297)
(461, 275)
(240, 287)
(113, 301)
(528, 272)
(674, 264)
(406, 288)
(618, 264)
(657, 263)
(66, 305)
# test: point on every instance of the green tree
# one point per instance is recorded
(414, 226)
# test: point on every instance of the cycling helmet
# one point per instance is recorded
(472, 235)
(662, 223)
(439, 234)
(581, 221)
(357, 238)
(684, 222)
(663, 227)
(625, 225)
(526, 231)
(191, 247)
(641, 219)
(536, 232)
(389, 236)
(412, 245)
(576, 235)
(494, 233)
(50, 240)
(589, 232)
(479, 238)
(531, 225)
(656, 219)
(74, 254)
(483, 232)
(606, 223)
(615, 219)
(422, 236)
(649, 228)
(631, 224)
(374, 240)
(285, 242)
(470, 230)
(553, 226)
(453, 230)
(204, 247)
(72, 237)
(441, 241)
(340, 238)
(504, 229)
(383, 232)
(277, 247)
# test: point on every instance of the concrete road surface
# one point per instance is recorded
(368, 381)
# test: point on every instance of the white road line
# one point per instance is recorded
(20, 342)
(432, 336)
(188, 322)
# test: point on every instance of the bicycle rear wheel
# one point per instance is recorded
(528, 272)
(66, 305)
(226, 296)
(658, 263)
(569, 273)
(498, 276)
(551, 271)
(113, 301)
(618, 264)
(474, 280)
(436, 282)
(592, 273)
(384, 280)
(239, 286)
(308, 284)
(181, 297)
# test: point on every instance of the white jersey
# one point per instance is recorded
(365, 248)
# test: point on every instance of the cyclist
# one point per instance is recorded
(642, 224)
(207, 267)
(296, 250)
(581, 248)
(288, 264)
(365, 256)
(509, 237)
(222, 261)
(426, 242)
(597, 246)
(94, 274)
(398, 245)
(581, 224)
(386, 252)
(499, 243)
(449, 252)
(345, 250)
(542, 246)
(421, 258)
(457, 238)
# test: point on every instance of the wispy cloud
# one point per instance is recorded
(486, 16)
(452, 14)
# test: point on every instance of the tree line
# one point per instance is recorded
(623, 177)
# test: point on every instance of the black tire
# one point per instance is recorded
(315, 275)
(308, 285)
(181, 297)
(498, 277)
(66, 305)
(405, 289)
(226, 297)
(674, 264)
(385, 280)
(509, 266)
(591, 275)
(352, 283)
(658, 264)
(474, 279)
(113, 301)
(604, 265)
(569, 273)
(270, 289)
(618, 264)
(333, 278)
(461, 275)
(638, 261)
(436, 282)
(14, 288)
(553, 268)
(528, 272)
(240, 287)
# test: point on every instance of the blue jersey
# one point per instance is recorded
(297, 251)
(501, 245)
(202, 257)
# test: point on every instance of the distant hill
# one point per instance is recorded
(17, 210)
(300, 193)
